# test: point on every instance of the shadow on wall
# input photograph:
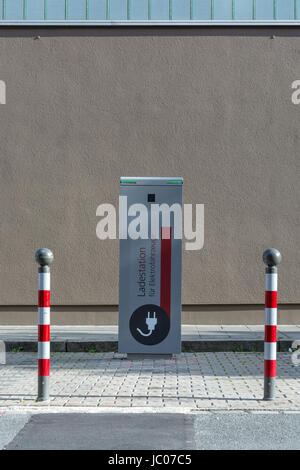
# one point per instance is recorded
(166, 31)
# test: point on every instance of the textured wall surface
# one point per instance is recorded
(85, 106)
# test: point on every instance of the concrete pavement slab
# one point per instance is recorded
(10, 425)
(209, 430)
(104, 338)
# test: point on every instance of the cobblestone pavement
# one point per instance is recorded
(208, 381)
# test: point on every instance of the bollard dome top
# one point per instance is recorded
(272, 257)
(44, 256)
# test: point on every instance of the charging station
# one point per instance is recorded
(150, 268)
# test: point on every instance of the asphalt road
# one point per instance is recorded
(158, 431)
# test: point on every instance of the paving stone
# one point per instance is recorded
(216, 380)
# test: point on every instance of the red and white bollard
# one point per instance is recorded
(271, 258)
(44, 257)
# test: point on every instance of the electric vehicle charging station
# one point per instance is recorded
(150, 269)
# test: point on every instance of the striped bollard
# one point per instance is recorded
(44, 258)
(271, 258)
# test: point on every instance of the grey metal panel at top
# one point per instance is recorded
(148, 11)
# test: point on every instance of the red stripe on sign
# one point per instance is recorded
(44, 333)
(271, 299)
(44, 298)
(165, 269)
(43, 367)
(270, 333)
(270, 368)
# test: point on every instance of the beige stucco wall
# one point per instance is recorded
(85, 106)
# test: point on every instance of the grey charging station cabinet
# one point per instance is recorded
(150, 270)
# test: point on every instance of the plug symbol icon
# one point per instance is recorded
(151, 322)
